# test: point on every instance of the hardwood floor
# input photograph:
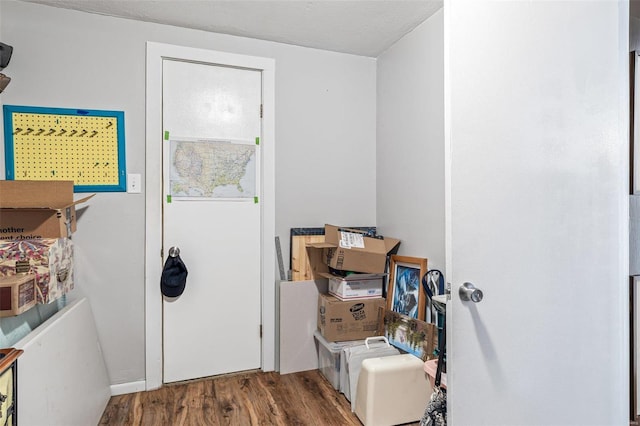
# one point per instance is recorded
(252, 398)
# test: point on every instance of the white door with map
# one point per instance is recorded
(211, 212)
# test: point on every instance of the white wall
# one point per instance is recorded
(76, 390)
(410, 144)
(325, 136)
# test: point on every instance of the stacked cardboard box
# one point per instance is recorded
(350, 250)
(340, 320)
(354, 264)
(31, 209)
(37, 219)
(355, 286)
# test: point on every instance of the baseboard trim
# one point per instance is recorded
(131, 387)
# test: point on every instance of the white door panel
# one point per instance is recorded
(537, 212)
(208, 101)
(214, 326)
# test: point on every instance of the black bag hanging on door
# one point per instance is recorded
(436, 412)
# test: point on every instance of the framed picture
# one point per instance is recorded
(405, 294)
(411, 335)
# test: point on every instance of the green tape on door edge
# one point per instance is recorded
(168, 198)
(255, 200)
(257, 141)
(166, 135)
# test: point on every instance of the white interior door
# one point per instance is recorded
(537, 174)
(211, 212)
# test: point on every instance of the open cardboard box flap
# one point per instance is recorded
(350, 250)
(54, 208)
(333, 235)
(37, 209)
(37, 194)
(352, 277)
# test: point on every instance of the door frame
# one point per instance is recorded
(156, 53)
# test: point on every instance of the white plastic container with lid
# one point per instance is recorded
(391, 390)
(352, 358)
(329, 357)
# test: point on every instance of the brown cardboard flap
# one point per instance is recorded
(352, 277)
(39, 208)
(327, 275)
(316, 264)
(321, 245)
(391, 243)
(82, 200)
(36, 194)
(300, 267)
(371, 245)
(331, 234)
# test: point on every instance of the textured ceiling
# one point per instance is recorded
(359, 27)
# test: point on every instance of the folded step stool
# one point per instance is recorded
(392, 390)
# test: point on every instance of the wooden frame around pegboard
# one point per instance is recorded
(86, 146)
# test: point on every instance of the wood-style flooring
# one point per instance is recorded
(252, 398)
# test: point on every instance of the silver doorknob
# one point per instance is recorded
(469, 292)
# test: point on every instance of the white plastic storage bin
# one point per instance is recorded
(329, 357)
(352, 358)
(391, 390)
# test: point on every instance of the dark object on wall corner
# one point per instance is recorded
(5, 57)
(4, 82)
(174, 276)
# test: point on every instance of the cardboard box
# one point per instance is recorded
(348, 320)
(17, 294)
(32, 209)
(355, 286)
(49, 259)
(350, 250)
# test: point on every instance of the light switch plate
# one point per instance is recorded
(134, 183)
